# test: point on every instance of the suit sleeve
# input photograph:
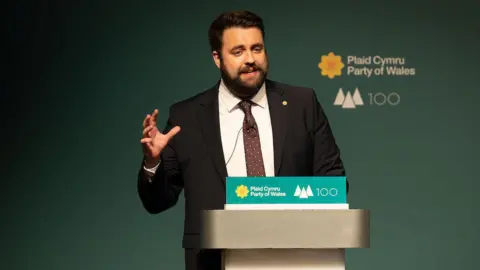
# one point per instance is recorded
(159, 191)
(326, 153)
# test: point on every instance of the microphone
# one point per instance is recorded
(250, 125)
(235, 145)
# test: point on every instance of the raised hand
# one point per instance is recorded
(153, 141)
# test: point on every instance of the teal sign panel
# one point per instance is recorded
(286, 190)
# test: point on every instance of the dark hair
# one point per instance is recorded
(243, 18)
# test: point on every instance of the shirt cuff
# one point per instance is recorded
(151, 170)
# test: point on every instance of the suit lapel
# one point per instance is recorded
(210, 124)
(278, 106)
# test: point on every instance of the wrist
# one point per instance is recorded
(150, 162)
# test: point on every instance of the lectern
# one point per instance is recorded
(285, 223)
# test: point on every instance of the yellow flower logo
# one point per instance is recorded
(242, 191)
(331, 65)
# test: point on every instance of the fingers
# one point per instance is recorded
(153, 119)
(173, 132)
(147, 144)
(146, 140)
(147, 130)
(150, 124)
(150, 119)
(146, 121)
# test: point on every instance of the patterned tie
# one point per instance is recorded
(251, 142)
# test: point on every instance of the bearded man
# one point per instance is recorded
(244, 125)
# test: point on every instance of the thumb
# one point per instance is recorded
(173, 132)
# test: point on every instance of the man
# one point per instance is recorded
(245, 125)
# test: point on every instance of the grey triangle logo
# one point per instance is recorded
(348, 101)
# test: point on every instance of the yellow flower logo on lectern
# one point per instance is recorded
(331, 65)
(242, 191)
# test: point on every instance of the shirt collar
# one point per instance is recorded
(230, 101)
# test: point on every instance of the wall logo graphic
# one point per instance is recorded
(348, 101)
(332, 65)
(303, 193)
(242, 191)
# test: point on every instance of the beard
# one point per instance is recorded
(239, 87)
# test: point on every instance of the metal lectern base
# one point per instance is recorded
(285, 239)
(284, 259)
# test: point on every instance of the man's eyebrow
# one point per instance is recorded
(242, 46)
(237, 47)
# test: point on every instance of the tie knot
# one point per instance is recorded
(246, 106)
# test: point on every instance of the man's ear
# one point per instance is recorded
(216, 58)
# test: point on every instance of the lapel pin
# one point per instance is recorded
(284, 102)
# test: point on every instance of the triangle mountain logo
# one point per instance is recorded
(348, 101)
(303, 193)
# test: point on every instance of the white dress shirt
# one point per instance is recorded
(231, 122)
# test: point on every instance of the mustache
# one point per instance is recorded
(250, 68)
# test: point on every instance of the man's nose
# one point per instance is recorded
(250, 59)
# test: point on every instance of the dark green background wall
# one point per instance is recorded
(80, 76)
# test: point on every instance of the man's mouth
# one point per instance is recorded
(250, 73)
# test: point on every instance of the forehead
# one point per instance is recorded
(237, 36)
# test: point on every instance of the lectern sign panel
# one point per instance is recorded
(286, 190)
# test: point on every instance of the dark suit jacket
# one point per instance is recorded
(193, 161)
